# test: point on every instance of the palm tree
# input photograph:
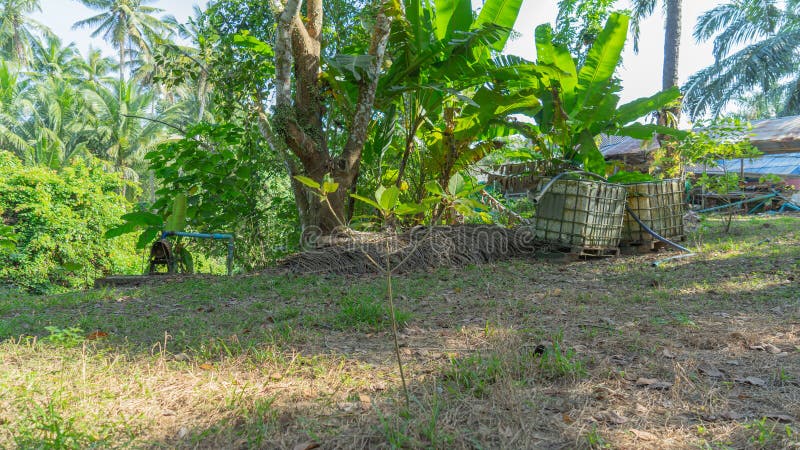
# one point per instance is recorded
(672, 40)
(96, 67)
(51, 59)
(17, 30)
(767, 69)
(13, 105)
(129, 25)
(124, 137)
(200, 55)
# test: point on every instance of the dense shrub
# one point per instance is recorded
(58, 220)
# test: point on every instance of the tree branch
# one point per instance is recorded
(367, 89)
(283, 52)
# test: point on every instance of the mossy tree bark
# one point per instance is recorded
(299, 111)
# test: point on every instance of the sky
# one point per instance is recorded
(640, 74)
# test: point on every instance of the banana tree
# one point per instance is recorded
(580, 105)
(446, 85)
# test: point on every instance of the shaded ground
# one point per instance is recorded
(696, 353)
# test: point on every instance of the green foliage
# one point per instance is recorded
(58, 221)
(65, 337)
(756, 65)
(578, 24)
(228, 183)
(581, 104)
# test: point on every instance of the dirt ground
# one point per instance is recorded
(702, 352)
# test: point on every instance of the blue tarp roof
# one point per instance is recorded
(782, 164)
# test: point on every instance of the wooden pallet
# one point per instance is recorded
(570, 254)
(647, 246)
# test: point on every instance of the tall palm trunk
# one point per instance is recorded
(672, 43)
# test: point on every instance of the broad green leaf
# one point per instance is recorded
(144, 218)
(406, 209)
(177, 220)
(641, 106)
(307, 181)
(330, 187)
(366, 200)
(434, 188)
(601, 62)
(388, 197)
(647, 131)
(147, 236)
(452, 15)
(186, 259)
(472, 204)
(502, 13)
(590, 155)
(455, 184)
(356, 66)
(127, 227)
(549, 54)
(244, 39)
(630, 177)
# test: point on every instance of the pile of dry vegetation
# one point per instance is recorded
(417, 249)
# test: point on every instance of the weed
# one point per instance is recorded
(557, 362)
(475, 373)
(64, 337)
(595, 440)
(395, 431)
(764, 434)
(44, 427)
(365, 312)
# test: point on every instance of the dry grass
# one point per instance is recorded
(521, 354)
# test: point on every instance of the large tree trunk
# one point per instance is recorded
(299, 112)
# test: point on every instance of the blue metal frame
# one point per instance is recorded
(216, 236)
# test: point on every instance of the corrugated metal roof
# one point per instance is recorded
(624, 145)
(770, 136)
(787, 164)
(781, 135)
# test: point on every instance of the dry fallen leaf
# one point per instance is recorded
(347, 406)
(755, 381)
(96, 335)
(206, 366)
(711, 371)
(730, 415)
(308, 445)
(611, 417)
(366, 401)
(644, 435)
(653, 383)
(782, 418)
(766, 347)
(771, 349)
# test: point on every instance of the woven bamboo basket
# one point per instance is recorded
(584, 215)
(659, 205)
